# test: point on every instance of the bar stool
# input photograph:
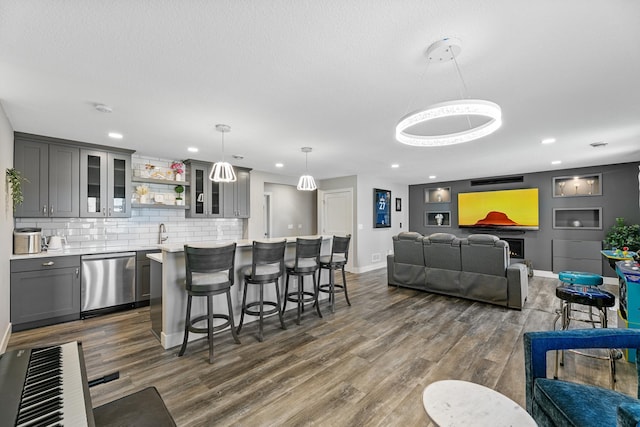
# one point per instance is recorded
(337, 260)
(583, 289)
(306, 262)
(209, 273)
(267, 266)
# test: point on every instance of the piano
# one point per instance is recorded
(45, 387)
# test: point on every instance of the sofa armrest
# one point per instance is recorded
(537, 344)
(517, 285)
(628, 415)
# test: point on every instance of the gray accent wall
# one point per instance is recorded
(619, 199)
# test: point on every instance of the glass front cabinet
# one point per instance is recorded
(205, 196)
(105, 182)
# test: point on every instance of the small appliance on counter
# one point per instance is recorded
(27, 241)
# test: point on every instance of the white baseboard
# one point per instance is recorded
(4, 343)
(370, 267)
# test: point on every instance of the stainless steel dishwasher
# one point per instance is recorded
(108, 281)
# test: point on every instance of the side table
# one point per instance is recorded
(462, 403)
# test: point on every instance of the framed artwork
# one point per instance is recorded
(398, 204)
(381, 208)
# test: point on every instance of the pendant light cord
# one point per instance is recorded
(463, 85)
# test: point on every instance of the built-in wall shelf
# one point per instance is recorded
(437, 195)
(158, 206)
(159, 181)
(577, 218)
(577, 186)
(437, 219)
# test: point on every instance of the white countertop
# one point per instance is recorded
(179, 247)
(86, 251)
(155, 257)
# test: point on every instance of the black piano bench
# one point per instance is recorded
(141, 409)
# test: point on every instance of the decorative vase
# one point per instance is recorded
(180, 202)
(179, 177)
(144, 198)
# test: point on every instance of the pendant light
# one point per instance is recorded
(441, 51)
(222, 171)
(306, 182)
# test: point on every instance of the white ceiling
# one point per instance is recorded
(334, 75)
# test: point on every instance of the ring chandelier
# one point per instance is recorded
(446, 50)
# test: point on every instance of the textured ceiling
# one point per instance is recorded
(334, 75)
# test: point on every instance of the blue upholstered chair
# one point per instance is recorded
(561, 403)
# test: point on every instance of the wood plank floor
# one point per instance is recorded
(365, 365)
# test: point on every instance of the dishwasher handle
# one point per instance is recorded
(108, 256)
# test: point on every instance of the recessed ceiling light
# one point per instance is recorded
(103, 108)
(599, 144)
(548, 141)
(432, 177)
(395, 165)
(556, 162)
(115, 135)
(192, 149)
(279, 165)
(237, 156)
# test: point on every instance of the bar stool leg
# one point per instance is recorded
(300, 302)
(316, 291)
(332, 293)
(344, 285)
(244, 304)
(286, 292)
(231, 325)
(210, 326)
(186, 327)
(260, 335)
(279, 305)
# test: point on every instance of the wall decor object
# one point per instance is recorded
(381, 208)
(437, 219)
(398, 204)
(437, 195)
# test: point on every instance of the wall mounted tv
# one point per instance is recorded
(500, 209)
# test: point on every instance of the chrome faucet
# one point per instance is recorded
(162, 234)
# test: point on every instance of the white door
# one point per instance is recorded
(336, 217)
(266, 215)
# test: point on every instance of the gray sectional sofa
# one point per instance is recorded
(476, 267)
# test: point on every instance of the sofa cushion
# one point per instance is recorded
(407, 248)
(442, 250)
(484, 253)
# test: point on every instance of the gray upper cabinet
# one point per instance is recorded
(105, 183)
(236, 195)
(51, 170)
(205, 196)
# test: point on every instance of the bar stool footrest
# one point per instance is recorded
(250, 312)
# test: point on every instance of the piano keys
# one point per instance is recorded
(45, 387)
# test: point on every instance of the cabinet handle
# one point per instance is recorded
(104, 211)
(77, 272)
(44, 210)
(51, 210)
(110, 211)
(48, 264)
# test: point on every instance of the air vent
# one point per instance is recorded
(499, 180)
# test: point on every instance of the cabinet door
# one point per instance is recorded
(198, 191)
(64, 181)
(93, 183)
(236, 196)
(215, 198)
(31, 159)
(119, 185)
(44, 297)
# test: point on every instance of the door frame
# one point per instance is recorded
(321, 221)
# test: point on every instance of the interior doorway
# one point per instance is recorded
(336, 216)
(266, 215)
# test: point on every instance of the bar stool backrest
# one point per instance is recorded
(209, 260)
(307, 250)
(340, 248)
(268, 253)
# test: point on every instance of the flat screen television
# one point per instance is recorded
(500, 209)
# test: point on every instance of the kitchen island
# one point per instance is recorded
(171, 304)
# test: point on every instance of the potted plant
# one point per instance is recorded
(178, 170)
(179, 190)
(622, 236)
(15, 180)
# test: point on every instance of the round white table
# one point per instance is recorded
(461, 403)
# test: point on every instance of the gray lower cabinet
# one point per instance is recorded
(577, 255)
(143, 277)
(44, 291)
(52, 173)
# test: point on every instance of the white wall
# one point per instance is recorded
(255, 227)
(6, 228)
(293, 212)
(375, 243)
